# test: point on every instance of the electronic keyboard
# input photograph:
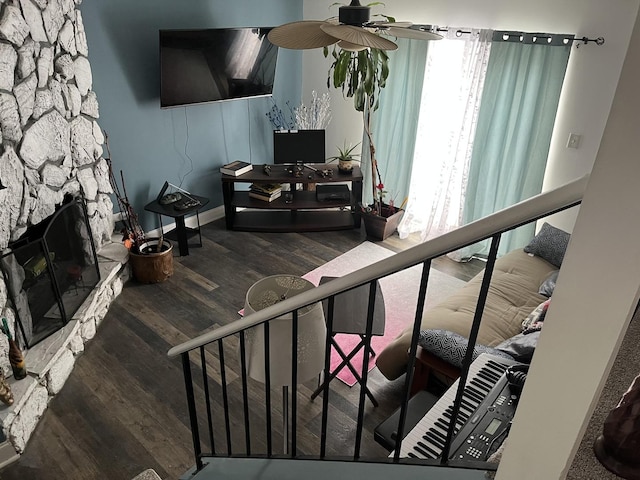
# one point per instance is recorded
(488, 405)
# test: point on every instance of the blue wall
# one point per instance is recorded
(183, 145)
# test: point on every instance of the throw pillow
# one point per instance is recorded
(547, 287)
(520, 347)
(452, 347)
(550, 243)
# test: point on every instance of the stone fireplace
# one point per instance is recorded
(50, 150)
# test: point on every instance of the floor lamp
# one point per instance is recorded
(311, 335)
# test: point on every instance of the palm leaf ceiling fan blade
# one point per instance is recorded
(358, 36)
(413, 33)
(390, 24)
(301, 35)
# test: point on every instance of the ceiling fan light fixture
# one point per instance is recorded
(354, 14)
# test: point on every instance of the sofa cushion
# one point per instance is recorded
(513, 294)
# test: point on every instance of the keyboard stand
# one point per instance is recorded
(386, 432)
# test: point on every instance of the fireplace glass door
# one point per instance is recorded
(51, 271)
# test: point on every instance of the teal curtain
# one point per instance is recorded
(516, 118)
(394, 124)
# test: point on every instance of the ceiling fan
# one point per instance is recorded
(352, 30)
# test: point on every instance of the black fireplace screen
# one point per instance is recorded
(50, 271)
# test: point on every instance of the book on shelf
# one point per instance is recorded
(265, 196)
(236, 168)
(266, 188)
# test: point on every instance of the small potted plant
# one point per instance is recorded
(345, 158)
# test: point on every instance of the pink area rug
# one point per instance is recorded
(400, 292)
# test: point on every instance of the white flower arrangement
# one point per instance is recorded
(315, 117)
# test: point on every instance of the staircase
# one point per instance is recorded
(230, 451)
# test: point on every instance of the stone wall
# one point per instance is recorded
(50, 146)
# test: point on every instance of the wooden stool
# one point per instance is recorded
(428, 363)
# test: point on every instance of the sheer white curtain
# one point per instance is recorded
(451, 93)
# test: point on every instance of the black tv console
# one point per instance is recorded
(302, 212)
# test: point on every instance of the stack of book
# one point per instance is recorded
(265, 191)
(236, 168)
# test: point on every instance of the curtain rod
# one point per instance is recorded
(513, 36)
(549, 38)
(598, 41)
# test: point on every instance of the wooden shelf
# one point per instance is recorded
(293, 220)
(304, 213)
(302, 200)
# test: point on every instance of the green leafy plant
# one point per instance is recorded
(360, 75)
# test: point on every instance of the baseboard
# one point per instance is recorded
(207, 216)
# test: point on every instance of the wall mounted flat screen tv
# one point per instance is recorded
(209, 65)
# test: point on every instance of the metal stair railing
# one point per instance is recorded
(201, 351)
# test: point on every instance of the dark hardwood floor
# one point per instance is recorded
(123, 409)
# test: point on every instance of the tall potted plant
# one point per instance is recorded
(362, 75)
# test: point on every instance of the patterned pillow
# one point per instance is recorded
(550, 243)
(452, 347)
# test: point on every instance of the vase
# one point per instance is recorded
(16, 359)
(379, 227)
(150, 265)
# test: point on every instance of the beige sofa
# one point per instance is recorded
(513, 295)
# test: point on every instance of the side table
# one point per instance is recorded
(181, 230)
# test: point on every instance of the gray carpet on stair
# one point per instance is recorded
(148, 474)
(626, 367)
